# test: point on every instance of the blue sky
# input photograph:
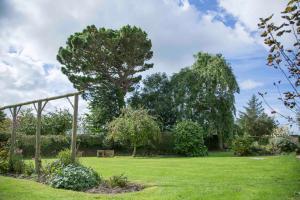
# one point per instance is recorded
(32, 31)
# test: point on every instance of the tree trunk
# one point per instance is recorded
(38, 139)
(74, 129)
(134, 150)
(13, 137)
(220, 141)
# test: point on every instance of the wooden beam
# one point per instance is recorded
(46, 99)
(74, 128)
(14, 113)
(38, 138)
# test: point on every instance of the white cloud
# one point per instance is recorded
(36, 29)
(249, 12)
(250, 84)
(24, 79)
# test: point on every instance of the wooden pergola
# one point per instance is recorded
(39, 105)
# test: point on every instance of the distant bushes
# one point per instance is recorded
(247, 146)
(188, 139)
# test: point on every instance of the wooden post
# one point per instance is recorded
(38, 138)
(74, 128)
(14, 114)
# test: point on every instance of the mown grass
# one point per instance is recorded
(218, 176)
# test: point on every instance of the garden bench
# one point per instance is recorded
(105, 153)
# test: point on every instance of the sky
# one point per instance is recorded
(32, 31)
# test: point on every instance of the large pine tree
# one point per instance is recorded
(254, 121)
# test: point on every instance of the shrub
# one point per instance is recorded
(188, 139)
(64, 157)
(117, 181)
(242, 145)
(258, 149)
(134, 126)
(75, 177)
(29, 169)
(3, 161)
(283, 145)
(16, 165)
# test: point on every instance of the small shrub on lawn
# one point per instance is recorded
(242, 145)
(188, 139)
(75, 177)
(64, 157)
(117, 181)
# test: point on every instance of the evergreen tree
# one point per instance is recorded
(254, 121)
(106, 64)
(156, 97)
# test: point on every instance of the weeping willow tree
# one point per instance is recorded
(219, 86)
(205, 93)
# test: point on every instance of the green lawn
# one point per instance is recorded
(213, 177)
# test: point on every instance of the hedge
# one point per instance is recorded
(52, 144)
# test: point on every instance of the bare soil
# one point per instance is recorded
(105, 189)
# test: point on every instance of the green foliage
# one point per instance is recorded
(2, 116)
(254, 121)
(75, 177)
(205, 92)
(156, 97)
(57, 122)
(16, 165)
(50, 144)
(259, 149)
(242, 145)
(106, 63)
(52, 168)
(63, 160)
(117, 181)
(246, 146)
(189, 139)
(64, 157)
(283, 145)
(5, 126)
(4, 137)
(29, 169)
(4, 168)
(26, 122)
(135, 127)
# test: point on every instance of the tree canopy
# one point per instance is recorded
(106, 63)
(156, 97)
(205, 92)
(135, 127)
(254, 121)
(57, 122)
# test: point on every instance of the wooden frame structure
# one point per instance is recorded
(39, 105)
